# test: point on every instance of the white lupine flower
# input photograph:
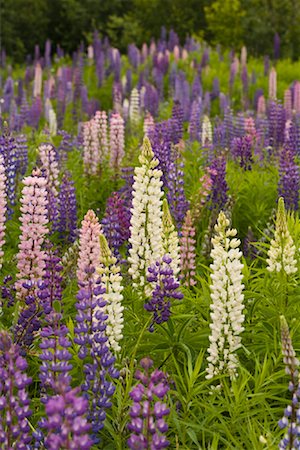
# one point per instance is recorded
(134, 107)
(52, 122)
(282, 252)
(227, 301)
(206, 135)
(146, 219)
(170, 239)
(111, 279)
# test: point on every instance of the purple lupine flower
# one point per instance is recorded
(276, 119)
(147, 424)
(175, 187)
(291, 418)
(194, 125)
(116, 222)
(55, 357)
(8, 151)
(228, 126)
(196, 88)
(21, 154)
(35, 112)
(151, 100)
(218, 195)
(94, 351)
(24, 112)
(8, 290)
(51, 283)
(66, 424)
(66, 145)
(160, 275)
(14, 400)
(215, 89)
(289, 178)
(241, 148)
(67, 221)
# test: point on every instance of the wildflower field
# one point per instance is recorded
(149, 244)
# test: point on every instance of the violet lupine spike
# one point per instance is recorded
(291, 418)
(289, 179)
(175, 185)
(194, 125)
(65, 147)
(117, 142)
(218, 195)
(161, 277)
(147, 414)
(241, 148)
(188, 251)
(94, 350)
(55, 356)
(52, 280)
(3, 208)
(8, 151)
(21, 154)
(177, 116)
(116, 222)
(31, 258)
(35, 112)
(276, 119)
(67, 222)
(15, 403)
(66, 425)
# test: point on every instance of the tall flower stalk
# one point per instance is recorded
(282, 252)
(146, 220)
(227, 301)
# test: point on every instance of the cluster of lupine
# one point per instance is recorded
(63, 159)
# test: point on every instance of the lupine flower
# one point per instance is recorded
(291, 418)
(178, 117)
(175, 185)
(147, 424)
(146, 220)
(91, 325)
(170, 239)
(194, 125)
(282, 252)
(227, 301)
(37, 83)
(242, 151)
(116, 222)
(89, 163)
(273, 84)
(49, 161)
(296, 103)
(261, 106)
(15, 411)
(134, 107)
(206, 132)
(66, 425)
(219, 189)
(8, 152)
(289, 178)
(149, 124)
(2, 207)
(102, 136)
(67, 221)
(21, 154)
(288, 104)
(111, 279)
(276, 122)
(51, 283)
(31, 258)
(188, 251)
(165, 285)
(55, 357)
(116, 137)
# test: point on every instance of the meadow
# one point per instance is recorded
(149, 245)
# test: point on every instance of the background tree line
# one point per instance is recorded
(231, 23)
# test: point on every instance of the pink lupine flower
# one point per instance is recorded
(296, 104)
(188, 251)
(89, 245)
(31, 258)
(116, 141)
(2, 207)
(101, 119)
(288, 103)
(261, 106)
(273, 84)
(49, 162)
(149, 124)
(37, 84)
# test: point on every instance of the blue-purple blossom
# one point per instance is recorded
(161, 277)
(14, 400)
(241, 149)
(218, 195)
(147, 414)
(289, 178)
